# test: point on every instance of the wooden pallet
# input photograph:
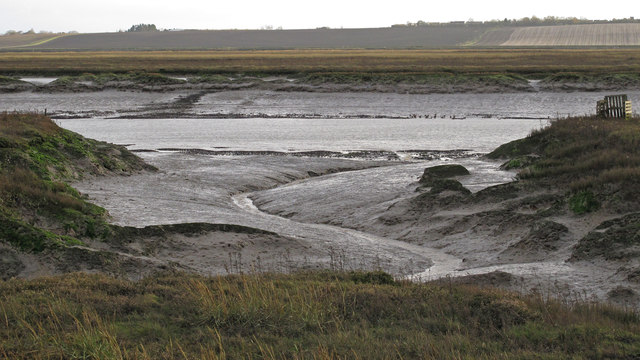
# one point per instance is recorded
(614, 107)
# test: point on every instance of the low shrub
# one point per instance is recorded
(583, 202)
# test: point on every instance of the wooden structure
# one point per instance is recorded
(614, 107)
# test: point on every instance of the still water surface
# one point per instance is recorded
(481, 135)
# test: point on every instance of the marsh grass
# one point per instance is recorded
(524, 62)
(140, 77)
(604, 150)
(319, 315)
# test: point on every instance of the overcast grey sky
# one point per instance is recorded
(113, 15)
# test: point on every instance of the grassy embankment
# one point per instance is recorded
(342, 66)
(38, 209)
(582, 155)
(596, 163)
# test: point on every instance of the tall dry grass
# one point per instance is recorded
(19, 126)
(321, 315)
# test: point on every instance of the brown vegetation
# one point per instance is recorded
(524, 62)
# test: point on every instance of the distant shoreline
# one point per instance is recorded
(329, 83)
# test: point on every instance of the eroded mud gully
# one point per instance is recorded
(325, 213)
(197, 188)
(353, 249)
(352, 205)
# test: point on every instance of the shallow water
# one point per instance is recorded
(255, 103)
(39, 80)
(480, 135)
(507, 105)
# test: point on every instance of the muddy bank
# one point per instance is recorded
(326, 83)
(209, 190)
(526, 233)
(294, 86)
(134, 253)
(201, 228)
(345, 154)
(516, 235)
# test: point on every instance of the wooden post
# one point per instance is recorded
(627, 110)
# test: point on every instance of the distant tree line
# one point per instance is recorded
(526, 21)
(142, 27)
(31, 31)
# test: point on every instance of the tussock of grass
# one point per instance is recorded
(321, 315)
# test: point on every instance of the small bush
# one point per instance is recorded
(583, 202)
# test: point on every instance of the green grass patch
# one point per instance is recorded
(583, 202)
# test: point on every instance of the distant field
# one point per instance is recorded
(24, 40)
(576, 35)
(396, 38)
(446, 36)
(522, 61)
